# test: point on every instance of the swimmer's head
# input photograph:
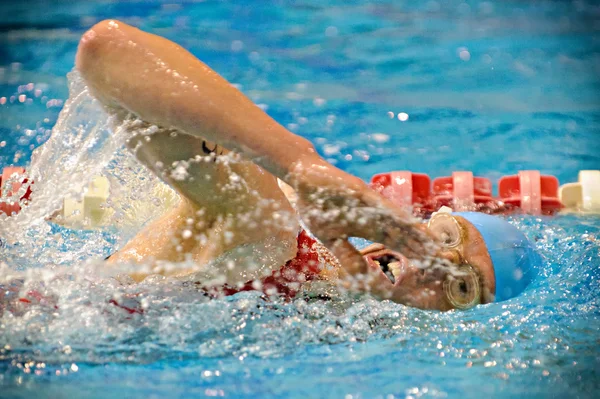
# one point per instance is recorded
(513, 257)
(491, 261)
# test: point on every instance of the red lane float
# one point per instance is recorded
(532, 192)
(404, 187)
(11, 180)
(462, 190)
(528, 191)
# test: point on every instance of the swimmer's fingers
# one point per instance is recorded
(355, 274)
(335, 205)
(364, 213)
(383, 222)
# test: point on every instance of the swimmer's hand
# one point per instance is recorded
(336, 205)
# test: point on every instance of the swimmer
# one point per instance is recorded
(224, 156)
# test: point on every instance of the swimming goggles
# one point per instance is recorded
(463, 287)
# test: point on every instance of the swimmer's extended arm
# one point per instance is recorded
(164, 84)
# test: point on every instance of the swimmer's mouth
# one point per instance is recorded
(389, 262)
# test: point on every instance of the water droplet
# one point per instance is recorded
(380, 137)
(402, 116)
(237, 45)
(331, 31)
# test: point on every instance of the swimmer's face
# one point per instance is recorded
(463, 282)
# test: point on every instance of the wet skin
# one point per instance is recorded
(423, 287)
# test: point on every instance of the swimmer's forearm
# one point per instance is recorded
(164, 84)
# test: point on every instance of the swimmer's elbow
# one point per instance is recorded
(98, 56)
(92, 43)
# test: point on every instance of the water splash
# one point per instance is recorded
(81, 144)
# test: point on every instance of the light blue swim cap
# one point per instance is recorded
(360, 243)
(514, 258)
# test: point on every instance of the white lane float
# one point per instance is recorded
(584, 195)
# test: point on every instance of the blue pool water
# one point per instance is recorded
(488, 86)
